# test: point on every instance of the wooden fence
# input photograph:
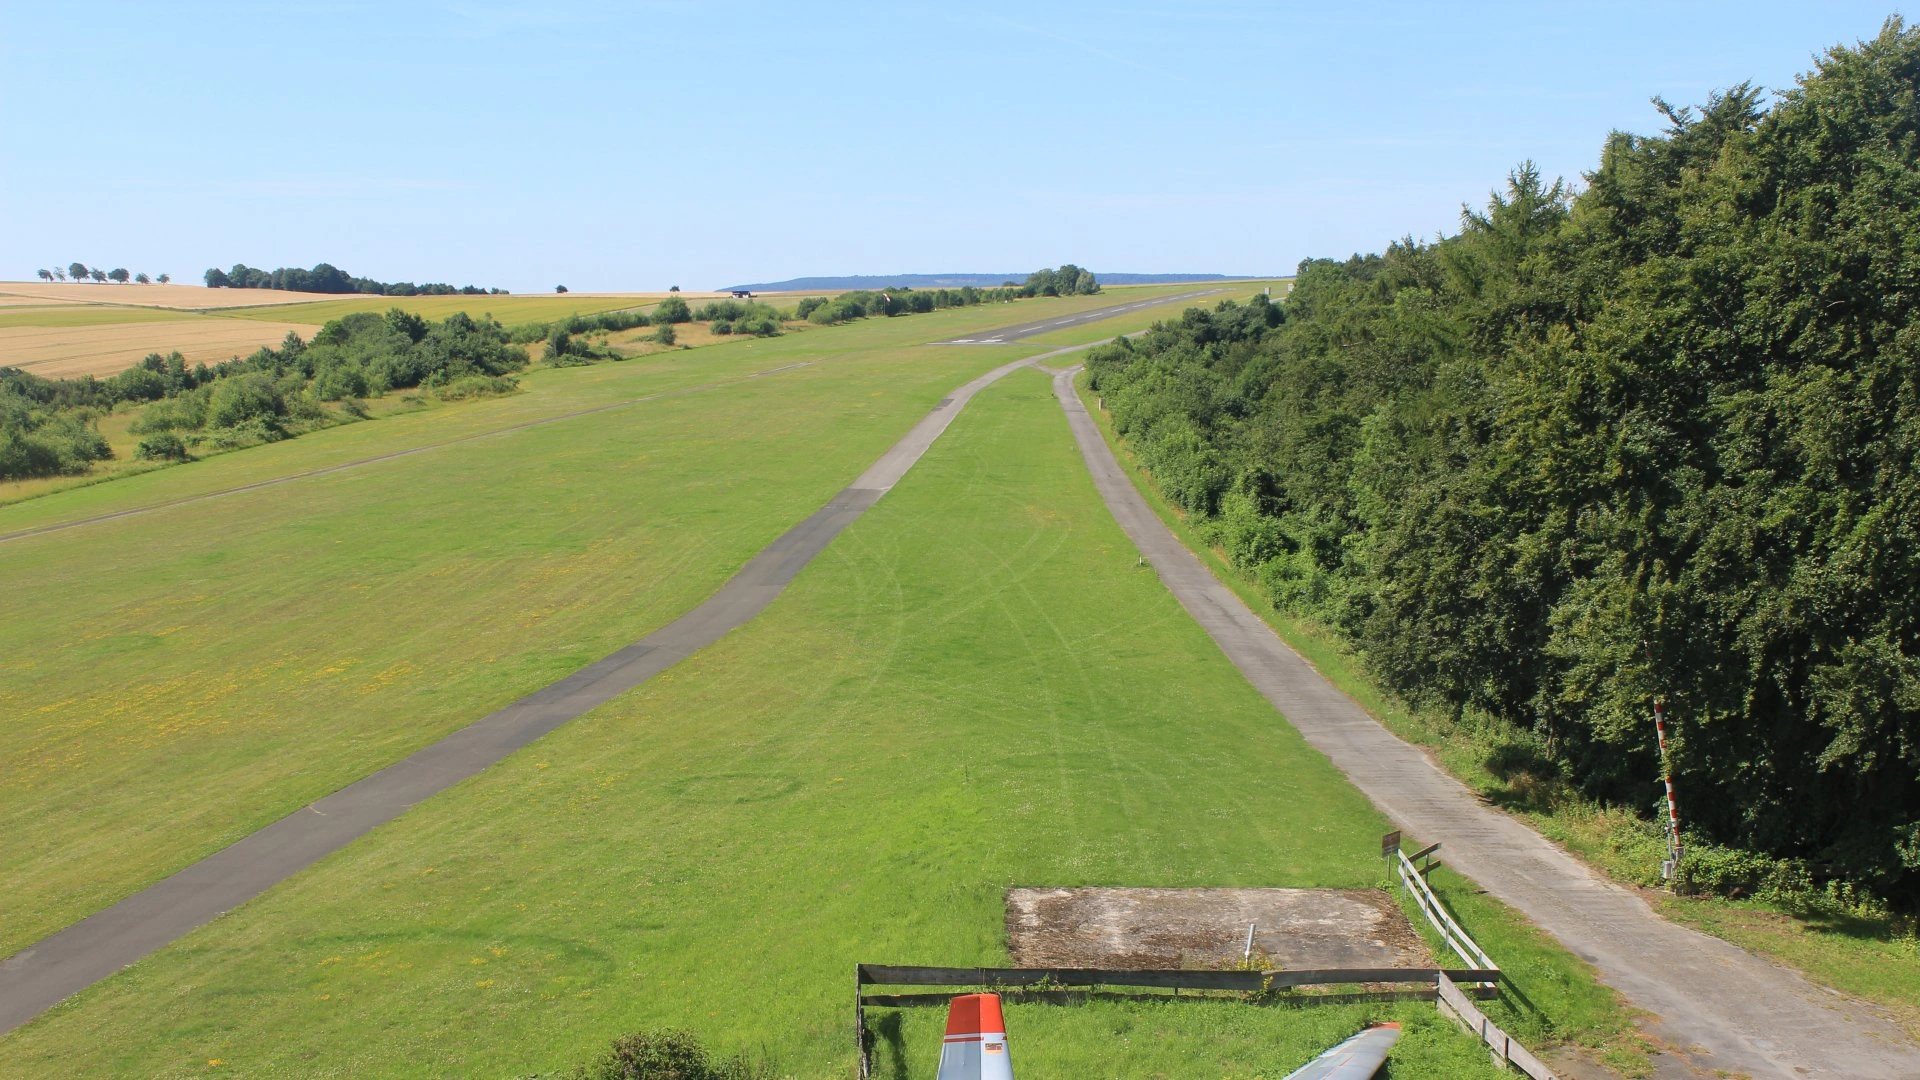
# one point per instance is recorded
(1058, 983)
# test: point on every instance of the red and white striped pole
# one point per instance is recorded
(1673, 806)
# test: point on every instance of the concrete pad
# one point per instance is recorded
(1294, 929)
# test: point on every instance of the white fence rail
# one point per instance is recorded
(1457, 939)
(1506, 1051)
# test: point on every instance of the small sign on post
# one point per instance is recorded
(1389, 844)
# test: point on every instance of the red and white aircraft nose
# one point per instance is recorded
(976, 1042)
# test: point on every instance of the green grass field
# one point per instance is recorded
(172, 681)
(975, 687)
(785, 802)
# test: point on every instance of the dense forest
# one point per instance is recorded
(1653, 440)
(327, 278)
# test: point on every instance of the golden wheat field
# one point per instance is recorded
(101, 350)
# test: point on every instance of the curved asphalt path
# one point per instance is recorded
(43, 974)
(1723, 1008)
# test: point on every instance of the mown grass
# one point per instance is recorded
(663, 368)
(975, 687)
(172, 681)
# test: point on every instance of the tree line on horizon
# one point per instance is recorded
(79, 271)
(327, 278)
(1656, 440)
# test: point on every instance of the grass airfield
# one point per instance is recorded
(974, 687)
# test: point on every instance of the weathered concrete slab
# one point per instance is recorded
(1207, 928)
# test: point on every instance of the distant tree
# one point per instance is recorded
(164, 278)
(119, 274)
(676, 288)
(216, 278)
(142, 278)
(559, 288)
(46, 275)
(77, 271)
(97, 274)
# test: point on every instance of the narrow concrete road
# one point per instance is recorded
(1723, 1007)
(1046, 326)
(50, 970)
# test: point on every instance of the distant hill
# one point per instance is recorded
(950, 281)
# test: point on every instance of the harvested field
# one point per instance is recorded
(1207, 928)
(38, 313)
(507, 309)
(189, 297)
(72, 351)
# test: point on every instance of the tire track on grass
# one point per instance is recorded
(45, 973)
(1722, 1007)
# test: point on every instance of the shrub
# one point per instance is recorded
(723, 327)
(807, 305)
(477, 386)
(664, 335)
(164, 446)
(185, 412)
(672, 310)
(665, 1055)
(241, 398)
(260, 429)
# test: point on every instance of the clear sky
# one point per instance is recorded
(635, 146)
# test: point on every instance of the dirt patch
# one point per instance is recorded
(1207, 928)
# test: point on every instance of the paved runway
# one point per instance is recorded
(1748, 1015)
(1046, 326)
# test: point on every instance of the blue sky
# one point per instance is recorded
(636, 146)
